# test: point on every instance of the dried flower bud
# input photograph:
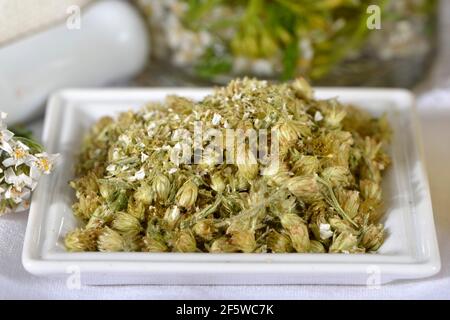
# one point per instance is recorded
(304, 188)
(287, 133)
(334, 116)
(247, 165)
(187, 194)
(205, 229)
(279, 242)
(370, 190)
(107, 190)
(99, 218)
(221, 245)
(89, 182)
(81, 240)
(144, 194)
(306, 165)
(86, 205)
(349, 201)
(242, 183)
(286, 206)
(244, 240)
(217, 183)
(372, 237)
(110, 241)
(370, 172)
(302, 88)
(276, 174)
(344, 243)
(298, 231)
(185, 242)
(371, 148)
(171, 216)
(371, 208)
(336, 176)
(136, 209)
(161, 186)
(342, 226)
(127, 224)
(120, 202)
(154, 243)
(316, 247)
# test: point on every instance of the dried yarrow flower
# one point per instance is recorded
(138, 190)
(22, 162)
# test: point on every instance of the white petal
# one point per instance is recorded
(6, 135)
(325, 231)
(140, 174)
(318, 116)
(7, 147)
(144, 157)
(216, 119)
(22, 145)
(10, 176)
(35, 173)
(25, 180)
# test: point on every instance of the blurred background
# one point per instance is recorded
(52, 44)
(331, 42)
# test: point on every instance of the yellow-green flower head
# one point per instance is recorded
(161, 187)
(344, 243)
(205, 229)
(81, 240)
(304, 187)
(244, 240)
(110, 241)
(372, 237)
(187, 194)
(127, 224)
(279, 242)
(185, 242)
(247, 165)
(145, 193)
(217, 183)
(222, 244)
(298, 231)
(152, 243)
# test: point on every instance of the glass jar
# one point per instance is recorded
(330, 42)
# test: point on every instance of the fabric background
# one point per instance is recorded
(21, 17)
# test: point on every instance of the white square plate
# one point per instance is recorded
(409, 252)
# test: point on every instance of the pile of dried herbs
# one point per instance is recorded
(325, 195)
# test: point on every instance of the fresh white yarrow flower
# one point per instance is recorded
(18, 153)
(45, 162)
(22, 162)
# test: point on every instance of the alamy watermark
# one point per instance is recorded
(230, 146)
(73, 21)
(73, 281)
(373, 22)
(373, 277)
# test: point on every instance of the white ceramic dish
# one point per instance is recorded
(410, 250)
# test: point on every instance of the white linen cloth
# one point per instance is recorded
(19, 18)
